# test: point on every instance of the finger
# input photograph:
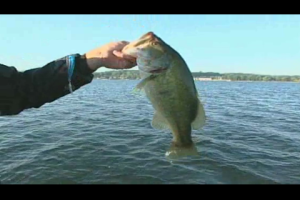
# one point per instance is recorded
(120, 45)
(124, 56)
(124, 42)
(128, 65)
(124, 64)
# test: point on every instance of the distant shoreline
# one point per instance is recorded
(201, 76)
(204, 80)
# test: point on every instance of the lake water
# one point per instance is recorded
(102, 134)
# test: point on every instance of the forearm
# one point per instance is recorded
(33, 88)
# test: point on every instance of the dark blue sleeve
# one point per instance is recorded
(35, 87)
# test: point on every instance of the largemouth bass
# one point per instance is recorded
(170, 87)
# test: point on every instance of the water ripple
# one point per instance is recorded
(102, 134)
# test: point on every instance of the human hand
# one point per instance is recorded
(110, 56)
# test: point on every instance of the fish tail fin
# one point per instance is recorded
(176, 151)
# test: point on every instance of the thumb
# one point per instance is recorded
(124, 56)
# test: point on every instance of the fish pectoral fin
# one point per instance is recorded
(139, 87)
(159, 122)
(200, 119)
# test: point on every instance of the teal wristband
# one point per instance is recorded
(71, 70)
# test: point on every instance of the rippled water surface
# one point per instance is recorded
(102, 134)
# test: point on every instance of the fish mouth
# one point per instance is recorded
(133, 49)
(127, 50)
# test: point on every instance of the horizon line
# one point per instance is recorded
(112, 70)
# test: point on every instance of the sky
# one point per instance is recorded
(260, 44)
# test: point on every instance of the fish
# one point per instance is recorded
(169, 85)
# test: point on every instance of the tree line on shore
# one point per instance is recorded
(134, 74)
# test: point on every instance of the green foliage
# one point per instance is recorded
(134, 74)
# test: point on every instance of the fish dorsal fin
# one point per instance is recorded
(159, 122)
(200, 119)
